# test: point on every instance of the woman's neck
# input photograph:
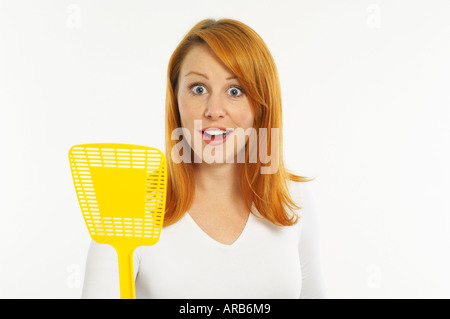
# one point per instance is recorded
(219, 181)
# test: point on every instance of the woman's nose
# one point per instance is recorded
(215, 107)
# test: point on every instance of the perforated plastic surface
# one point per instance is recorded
(121, 189)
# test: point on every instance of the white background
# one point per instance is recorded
(366, 111)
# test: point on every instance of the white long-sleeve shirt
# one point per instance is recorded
(266, 261)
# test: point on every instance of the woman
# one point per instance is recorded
(237, 223)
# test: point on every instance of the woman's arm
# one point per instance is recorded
(313, 283)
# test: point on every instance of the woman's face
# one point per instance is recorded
(213, 107)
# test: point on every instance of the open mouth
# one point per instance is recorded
(215, 136)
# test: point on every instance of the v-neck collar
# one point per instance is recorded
(215, 242)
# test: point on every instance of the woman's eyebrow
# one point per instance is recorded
(197, 73)
(233, 77)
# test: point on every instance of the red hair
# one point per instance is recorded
(243, 51)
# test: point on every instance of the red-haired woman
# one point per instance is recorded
(237, 223)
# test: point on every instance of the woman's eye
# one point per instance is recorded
(198, 89)
(235, 91)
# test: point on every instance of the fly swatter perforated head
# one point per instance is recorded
(121, 189)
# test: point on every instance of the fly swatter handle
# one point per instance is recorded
(126, 273)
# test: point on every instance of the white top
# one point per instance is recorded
(266, 261)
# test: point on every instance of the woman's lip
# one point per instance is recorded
(216, 140)
(214, 128)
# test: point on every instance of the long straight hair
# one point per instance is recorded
(243, 51)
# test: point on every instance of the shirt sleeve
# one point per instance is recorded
(313, 282)
(101, 278)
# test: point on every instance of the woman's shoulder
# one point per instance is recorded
(302, 195)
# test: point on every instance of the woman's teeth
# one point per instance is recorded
(215, 133)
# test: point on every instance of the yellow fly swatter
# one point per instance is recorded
(121, 189)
